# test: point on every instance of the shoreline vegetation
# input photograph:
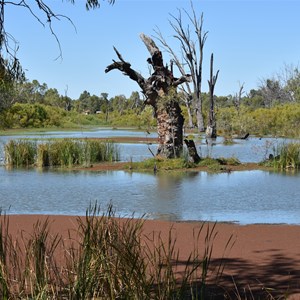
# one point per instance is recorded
(98, 154)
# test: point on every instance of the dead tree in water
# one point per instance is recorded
(160, 92)
(211, 130)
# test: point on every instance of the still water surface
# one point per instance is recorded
(251, 150)
(245, 197)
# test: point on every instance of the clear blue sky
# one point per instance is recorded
(250, 39)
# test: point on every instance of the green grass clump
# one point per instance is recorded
(20, 153)
(287, 156)
(158, 163)
(59, 152)
(105, 257)
(217, 164)
(211, 163)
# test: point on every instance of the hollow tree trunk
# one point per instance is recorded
(160, 92)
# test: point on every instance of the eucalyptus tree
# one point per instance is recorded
(192, 52)
(160, 93)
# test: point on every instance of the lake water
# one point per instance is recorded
(246, 197)
(251, 150)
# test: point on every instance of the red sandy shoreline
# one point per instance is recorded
(262, 257)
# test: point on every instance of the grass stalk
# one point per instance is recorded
(106, 257)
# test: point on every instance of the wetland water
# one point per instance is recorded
(246, 197)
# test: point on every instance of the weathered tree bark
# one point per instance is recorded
(193, 154)
(160, 92)
(211, 130)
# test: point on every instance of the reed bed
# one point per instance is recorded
(287, 156)
(59, 152)
(20, 152)
(105, 258)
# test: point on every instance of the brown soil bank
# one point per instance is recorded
(264, 259)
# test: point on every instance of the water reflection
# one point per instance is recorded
(245, 197)
(169, 193)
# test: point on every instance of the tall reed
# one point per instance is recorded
(20, 153)
(104, 258)
(59, 152)
(69, 152)
(287, 156)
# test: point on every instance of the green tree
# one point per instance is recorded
(84, 101)
(52, 98)
(135, 103)
(293, 85)
(119, 104)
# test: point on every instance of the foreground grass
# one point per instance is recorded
(105, 258)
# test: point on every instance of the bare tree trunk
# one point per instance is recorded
(192, 56)
(170, 130)
(193, 154)
(199, 115)
(188, 101)
(211, 130)
(160, 92)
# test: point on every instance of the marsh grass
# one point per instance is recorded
(59, 152)
(159, 163)
(20, 153)
(104, 258)
(288, 156)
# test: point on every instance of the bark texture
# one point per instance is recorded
(160, 92)
(211, 130)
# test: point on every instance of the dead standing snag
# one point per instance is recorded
(160, 92)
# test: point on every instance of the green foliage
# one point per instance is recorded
(31, 116)
(280, 120)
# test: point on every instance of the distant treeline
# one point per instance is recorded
(274, 109)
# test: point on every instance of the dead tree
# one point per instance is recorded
(211, 130)
(192, 51)
(237, 99)
(160, 92)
